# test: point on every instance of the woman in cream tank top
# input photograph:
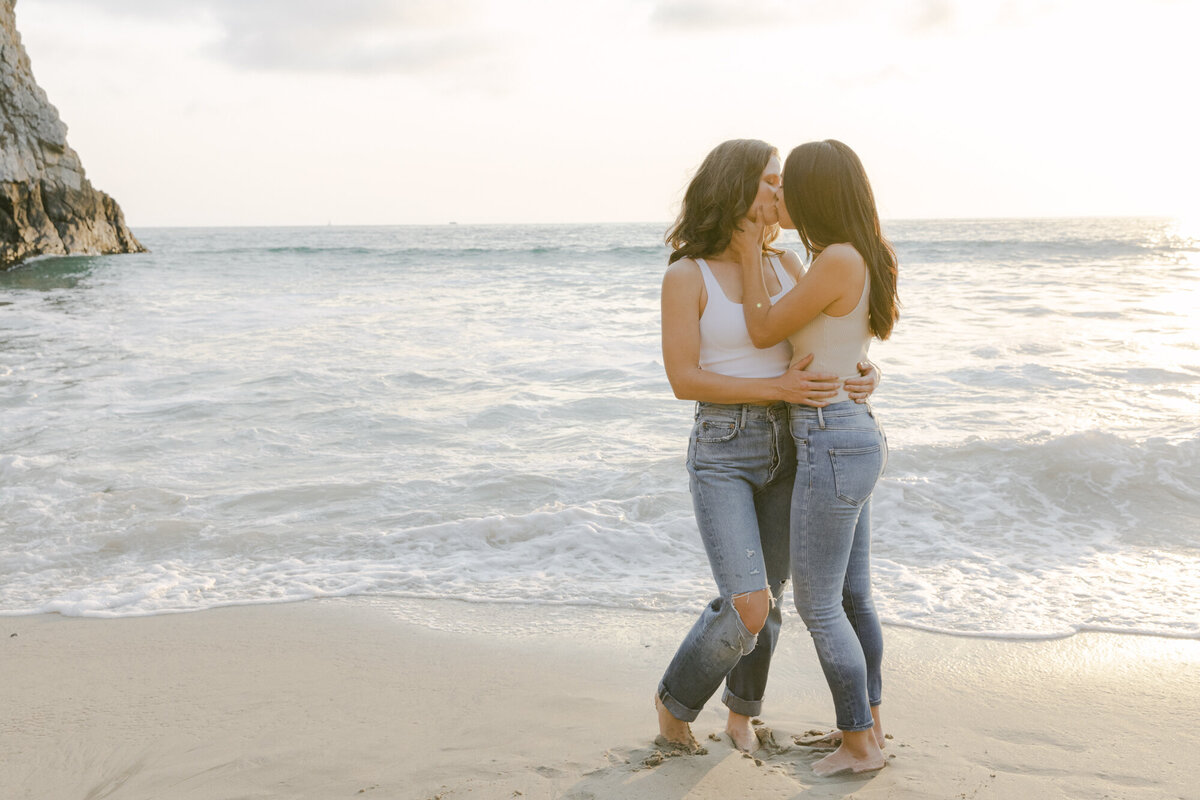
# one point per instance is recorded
(740, 457)
(847, 296)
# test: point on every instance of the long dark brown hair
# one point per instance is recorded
(718, 198)
(830, 201)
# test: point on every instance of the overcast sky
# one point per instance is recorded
(276, 112)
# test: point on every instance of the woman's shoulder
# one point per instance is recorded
(683, 275)
(842, 253)
(684, 268)
(685, 264)
(840, 258)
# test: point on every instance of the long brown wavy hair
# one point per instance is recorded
(830, 201)
(718, 198)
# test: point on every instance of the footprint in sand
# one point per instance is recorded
(767, 743)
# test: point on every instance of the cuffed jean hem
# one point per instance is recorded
(678, 710)
(853, 729)
(748, 708)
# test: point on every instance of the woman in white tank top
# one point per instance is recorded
(741, 459)
(845, 298)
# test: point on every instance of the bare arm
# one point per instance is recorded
(681, 309)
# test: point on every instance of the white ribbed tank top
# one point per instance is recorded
(837, 343)
(725, 346)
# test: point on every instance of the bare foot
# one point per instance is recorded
(858, 753)
(674, 732)
(741, 732)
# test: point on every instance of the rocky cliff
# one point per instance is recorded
(47, 204)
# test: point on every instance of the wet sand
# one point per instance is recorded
(442, 699)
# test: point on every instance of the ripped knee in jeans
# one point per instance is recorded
(753, 608)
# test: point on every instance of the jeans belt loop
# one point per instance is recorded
(745, 413)
(821, 417)
(697, 414)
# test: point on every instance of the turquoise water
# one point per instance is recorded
(261, 415)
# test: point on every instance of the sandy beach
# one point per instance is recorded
(442, 699)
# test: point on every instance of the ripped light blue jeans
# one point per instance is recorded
(741, 461)
(840, 454)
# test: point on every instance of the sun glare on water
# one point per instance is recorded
(1188, 226)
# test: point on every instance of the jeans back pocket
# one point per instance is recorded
(856, 470)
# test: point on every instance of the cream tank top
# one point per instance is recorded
(837, 343)
(725, 346)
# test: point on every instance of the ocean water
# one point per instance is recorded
(480, 412)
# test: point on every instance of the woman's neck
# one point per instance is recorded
(730, 253)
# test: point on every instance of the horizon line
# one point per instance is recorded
(457, 223)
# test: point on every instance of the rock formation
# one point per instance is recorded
(47, 205)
